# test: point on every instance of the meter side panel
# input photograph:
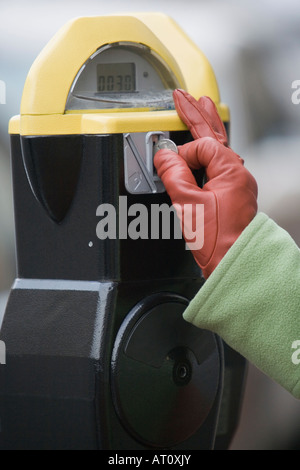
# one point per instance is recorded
(67, 248)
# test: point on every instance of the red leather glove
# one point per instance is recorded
(230, 194)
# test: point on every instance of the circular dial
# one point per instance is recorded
(165, 372)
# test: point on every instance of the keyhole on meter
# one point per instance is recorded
(182, 373)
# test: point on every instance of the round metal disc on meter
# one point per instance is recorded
(165, 372)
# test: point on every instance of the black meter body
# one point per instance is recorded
(98, 355)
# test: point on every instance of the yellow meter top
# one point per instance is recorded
(47, 87)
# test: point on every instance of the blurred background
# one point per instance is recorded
(254, 48)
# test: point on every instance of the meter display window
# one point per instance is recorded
(123, 75)
(116, 78)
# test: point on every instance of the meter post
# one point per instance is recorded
(97, 353)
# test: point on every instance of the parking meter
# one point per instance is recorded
(97, 353)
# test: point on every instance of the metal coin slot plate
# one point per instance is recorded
(139, 170)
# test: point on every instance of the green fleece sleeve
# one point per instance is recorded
(252, 300)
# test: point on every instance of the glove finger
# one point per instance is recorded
(211, 112)
(175, 174)
(195, 207)
(196, 115)
(212, 155)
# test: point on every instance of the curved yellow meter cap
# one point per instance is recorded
(128, 54)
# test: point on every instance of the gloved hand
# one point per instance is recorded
(230, 194)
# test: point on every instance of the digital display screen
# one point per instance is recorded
(118, 78)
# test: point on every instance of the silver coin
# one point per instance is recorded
(165, 144)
